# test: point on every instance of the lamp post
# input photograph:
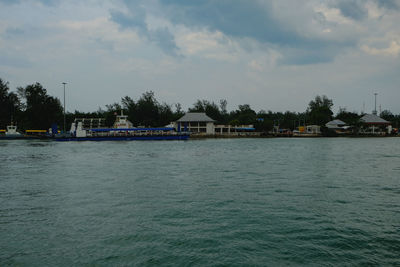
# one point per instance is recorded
(64, 83)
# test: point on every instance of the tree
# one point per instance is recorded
(350, 118)
(178, 111)
(147, 110)
(387, 115)
(245, 115)
(210, 108)
(166, 115)
(9, 105)
(41, 110)
(319, 110)
(110, 114)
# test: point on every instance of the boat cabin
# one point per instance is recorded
(122, 122)
(12, 130)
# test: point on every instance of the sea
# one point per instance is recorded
(211, 202)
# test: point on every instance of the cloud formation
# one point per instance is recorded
(135, 18)
(299, 30)
(275, 54)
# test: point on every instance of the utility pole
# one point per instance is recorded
(64, 83)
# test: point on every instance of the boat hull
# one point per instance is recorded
(23, 137)
(125, 138)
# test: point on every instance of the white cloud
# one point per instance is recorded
(102, 62)
(392, 50)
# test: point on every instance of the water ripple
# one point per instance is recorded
(245, 202)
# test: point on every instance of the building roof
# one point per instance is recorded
(195, 117)
(373, 119)
(335, 124)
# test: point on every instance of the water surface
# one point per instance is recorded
(202, 202)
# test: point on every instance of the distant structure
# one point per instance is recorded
(375, 112)
(373, 124)
(198, 123)
(195, 122)
(339, 127)
(335, 124)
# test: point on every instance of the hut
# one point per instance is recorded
(338, 127)
(335, 124)
(373, 124)
(196, 122)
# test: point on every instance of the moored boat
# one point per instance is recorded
(12, 133)
(122, 130)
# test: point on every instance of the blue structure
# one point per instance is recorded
(127, 138)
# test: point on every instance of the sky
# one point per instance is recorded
(274, 55)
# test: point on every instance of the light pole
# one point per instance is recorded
(64, 83)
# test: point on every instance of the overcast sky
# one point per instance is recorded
(274, 55)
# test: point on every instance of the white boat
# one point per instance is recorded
(122, 130)
(11, 132)
(122, 122)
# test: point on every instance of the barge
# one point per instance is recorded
(122, 130)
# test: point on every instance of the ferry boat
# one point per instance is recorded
(122, 130)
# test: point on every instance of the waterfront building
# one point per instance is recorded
(238, 130)
(373, 124)
(335, 124)
(198, 123)
(308, 131)
(339, 127)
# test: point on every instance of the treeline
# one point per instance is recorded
(32, 108)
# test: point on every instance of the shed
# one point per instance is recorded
(374, 120)
(335, 124)
(195, 117)
(196, 122)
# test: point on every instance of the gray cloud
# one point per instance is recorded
(44, 2)
(389, 4)
(356, 10)
(353, 9)
(14, 60)
(240, 20)
(14, 31)
(135, 19)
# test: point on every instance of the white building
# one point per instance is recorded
(335, 124)
(200, 123)
(195, 122)
(373, 124)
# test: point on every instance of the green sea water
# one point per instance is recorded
(228, 202)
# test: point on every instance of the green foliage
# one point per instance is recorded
(234, 122)
(350, 118)
(210, 108)
(33, 108)
(287, 120)
(244, 114)
(387, 115)
(147, 111)
(110, 114)
(41, 110)
(9, 105)
(319, 110)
